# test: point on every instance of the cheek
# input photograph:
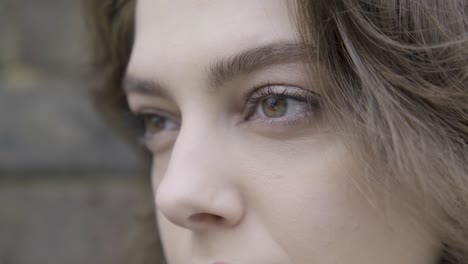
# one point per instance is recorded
(174, 239)
(310, 203)
(306, 198)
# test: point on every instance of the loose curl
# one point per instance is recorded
(394, 74)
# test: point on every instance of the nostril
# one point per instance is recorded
(205, 217)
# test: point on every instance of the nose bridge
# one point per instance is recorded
(195, 149)
(196, 191)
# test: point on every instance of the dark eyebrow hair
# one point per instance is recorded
(132, 84)
(251, 60)
(226, 69)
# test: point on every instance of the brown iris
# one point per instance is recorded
(275, 107)
(154, 124)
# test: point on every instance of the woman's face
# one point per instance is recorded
(246, 171)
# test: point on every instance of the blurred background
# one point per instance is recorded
(70, 189)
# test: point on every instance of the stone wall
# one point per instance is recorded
(69, 188)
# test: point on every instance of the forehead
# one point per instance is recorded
(191, 33)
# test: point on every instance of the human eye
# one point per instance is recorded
(155, 129)
(281, 105)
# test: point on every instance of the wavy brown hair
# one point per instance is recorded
(394, 80)
(111, 24)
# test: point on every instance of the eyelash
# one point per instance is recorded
(262, 92)
(137, 123)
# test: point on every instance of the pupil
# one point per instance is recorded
(274, 107)
(155, 124)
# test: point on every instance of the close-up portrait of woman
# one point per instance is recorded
(293, 131)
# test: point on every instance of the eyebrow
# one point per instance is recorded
(135, 85)
(226, 69)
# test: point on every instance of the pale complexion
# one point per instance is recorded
(245, 170)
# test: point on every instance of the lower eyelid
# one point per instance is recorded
(159, 142)
(286, 120)
(282, 129)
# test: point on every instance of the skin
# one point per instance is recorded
(257, 190)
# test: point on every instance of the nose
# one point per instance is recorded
(197, 192)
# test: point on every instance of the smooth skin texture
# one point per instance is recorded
(245, 169)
